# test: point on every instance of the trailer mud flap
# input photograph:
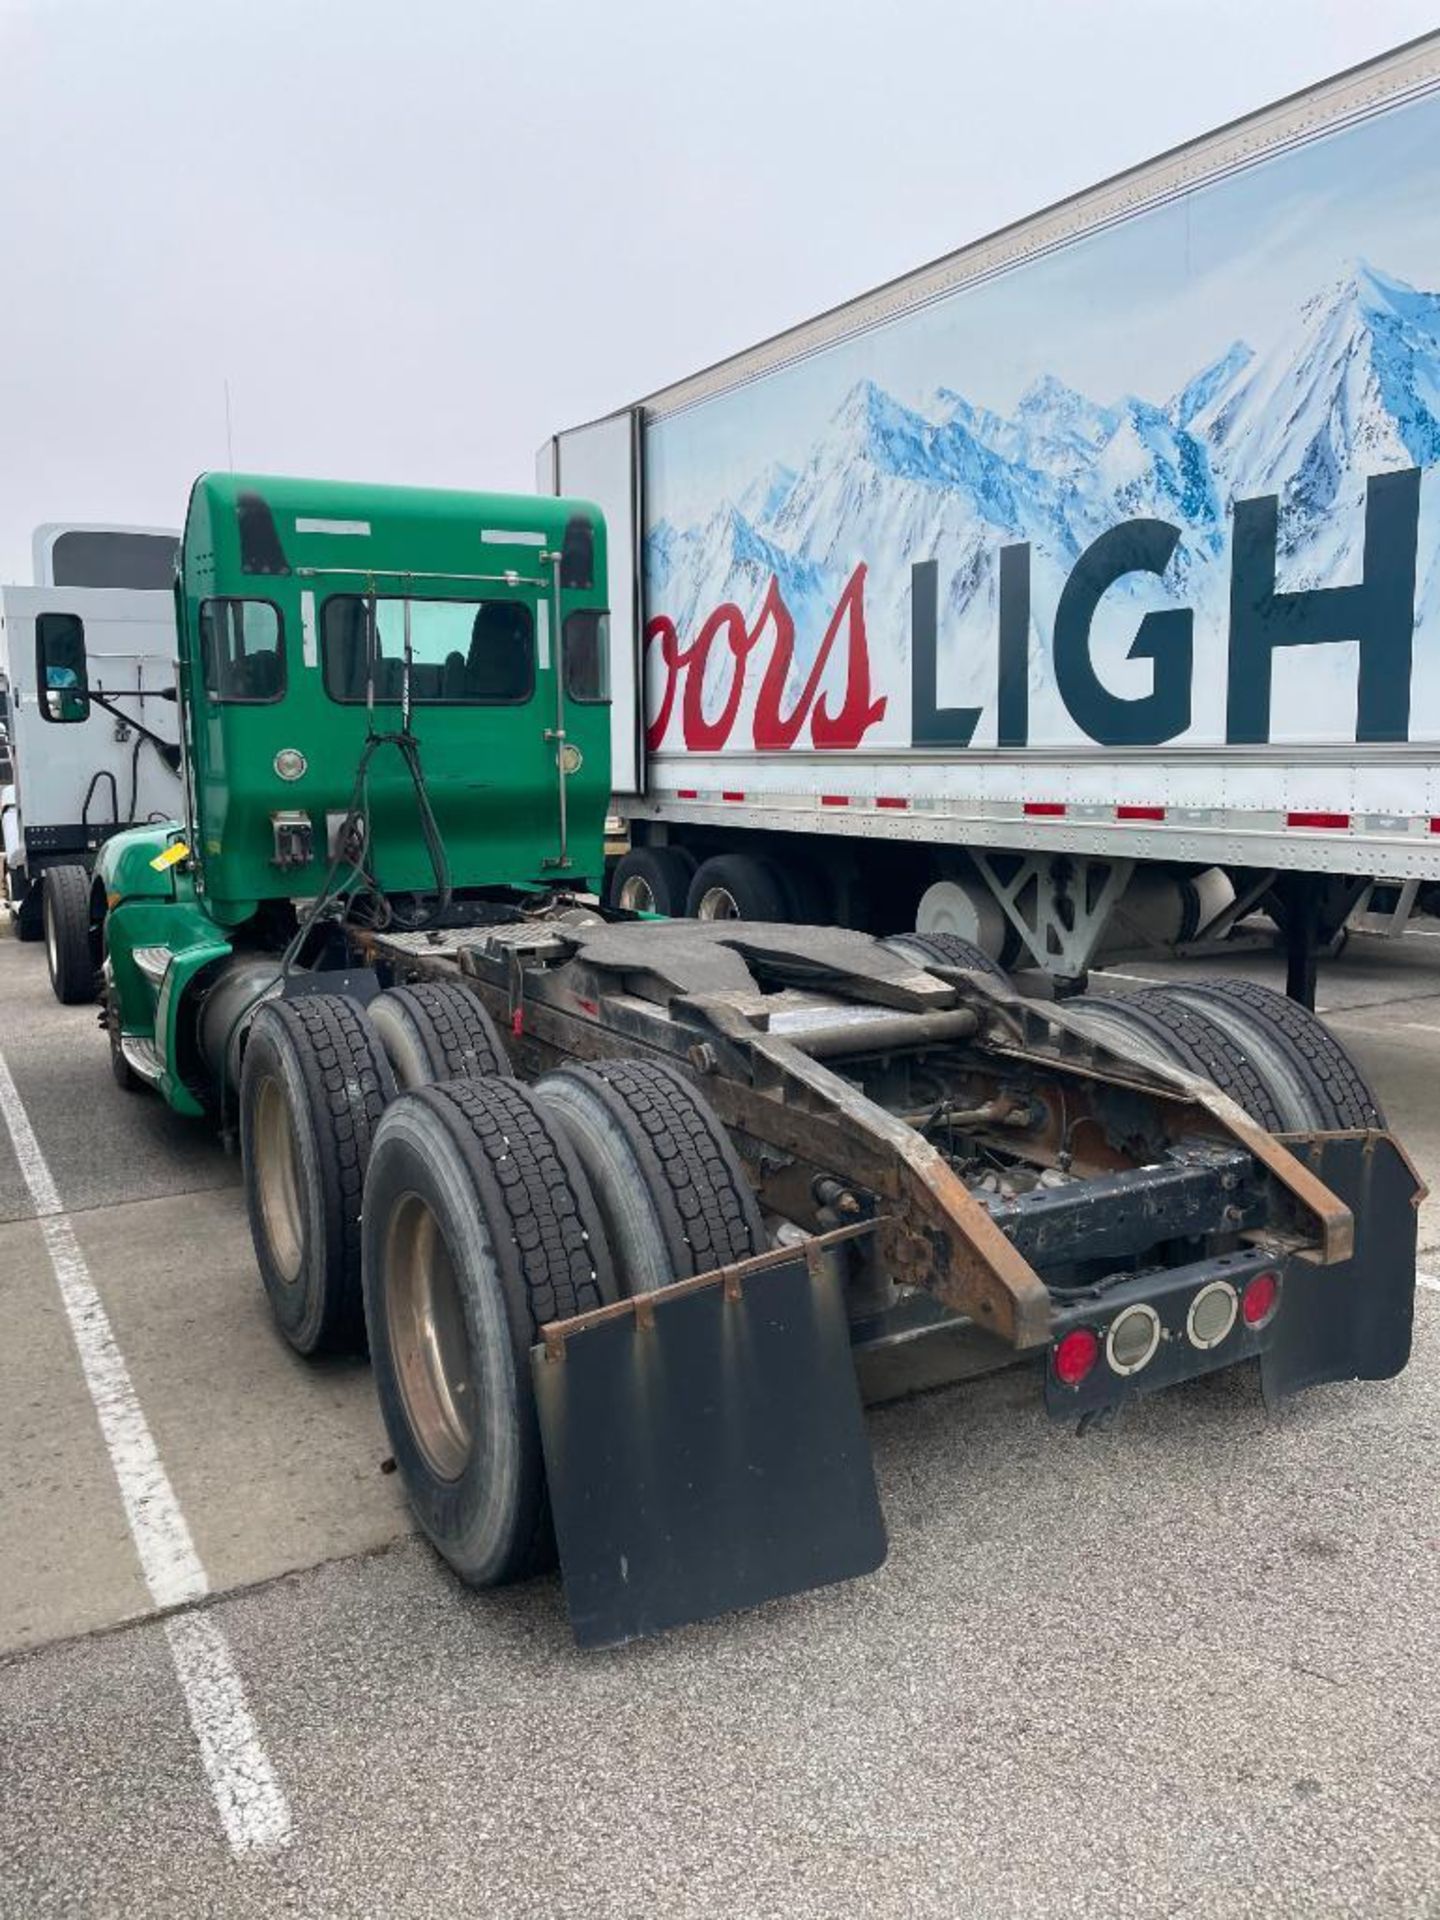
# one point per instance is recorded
(1352, 1320)
(706, 1449)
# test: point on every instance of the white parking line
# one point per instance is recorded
(248, 1797)
(1428, 1282)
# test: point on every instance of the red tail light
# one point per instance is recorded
(1074, 1356)
(1260, 1298)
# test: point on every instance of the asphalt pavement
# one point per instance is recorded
(1181, 1666)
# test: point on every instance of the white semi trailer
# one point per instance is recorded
(1090, 571)
(92, 741)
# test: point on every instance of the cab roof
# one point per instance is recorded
(271, 525)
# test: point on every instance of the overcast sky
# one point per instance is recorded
(416, 239)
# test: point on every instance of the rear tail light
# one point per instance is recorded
(1212, 1314)
(1074, 1356)
(1260, 1298)
(1133, 1337)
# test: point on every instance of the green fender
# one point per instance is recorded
(153, 914)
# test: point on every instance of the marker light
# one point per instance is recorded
(1133, 1337)
(1212, 1314)
(290, 763)
(1260, 1298)
(1074, 1355)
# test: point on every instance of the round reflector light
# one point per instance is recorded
(1212, 1314)
(1133, 1337)
(1075, 1355)
(1260, 1298)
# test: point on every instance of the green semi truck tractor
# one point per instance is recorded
(631, 1213)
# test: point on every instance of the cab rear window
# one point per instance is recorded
(475, 653)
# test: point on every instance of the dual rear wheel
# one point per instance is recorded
(489, 1208)
(1272, 1056)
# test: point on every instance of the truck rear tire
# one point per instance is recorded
(65, 903)
(1313, 1078)
(436, 1030)
(652, 880)
(669, 1184)
(737, 886)
(1161, 1026)
(312, 1089)
(480, 1226)
(947, 950)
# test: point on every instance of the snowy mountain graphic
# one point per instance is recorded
(1353, 389)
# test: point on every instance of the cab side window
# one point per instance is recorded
(587, 655)
(62, 675)
(241, 650)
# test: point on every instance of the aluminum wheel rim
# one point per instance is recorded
(52, 946)
(277, 1179)
(637, 895)
(428, 1337)
(718, 903)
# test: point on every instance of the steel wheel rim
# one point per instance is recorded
(277, 1179)
(637, 894)
(718, 903)
(428, 1337)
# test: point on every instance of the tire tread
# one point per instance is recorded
(1335, 1081)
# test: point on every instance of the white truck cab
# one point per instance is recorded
(87, 659)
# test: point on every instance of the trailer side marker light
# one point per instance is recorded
(1074, 1355)
(890, 800)
(1212, 1315)
(1317, 819)
(1133, 1337)
(1045, 809)
(1139, 813)
(687, 793)
(834, 799)
(1435, 825)
(1260, 1298)
(732, 796)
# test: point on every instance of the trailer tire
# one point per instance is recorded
(437, 1030)
(1312, 1074)
(1201, 1045)
(808, 896)
(652, 880)
(669, 1184)
(313, 1086)
(479, 1227)
(69, 953)
(737, 886)
(947, 950)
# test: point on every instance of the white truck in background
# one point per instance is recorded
(95, 748)
(1082, 586)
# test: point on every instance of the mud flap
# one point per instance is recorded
(1351, 1321)
(706, 1449)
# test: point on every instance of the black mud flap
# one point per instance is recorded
(1350, 1321)
(706, 1449)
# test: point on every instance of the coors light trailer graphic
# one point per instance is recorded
(1082, 588)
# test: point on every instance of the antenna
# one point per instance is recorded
(229, 441)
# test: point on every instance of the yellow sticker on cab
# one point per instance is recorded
(171, 857)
